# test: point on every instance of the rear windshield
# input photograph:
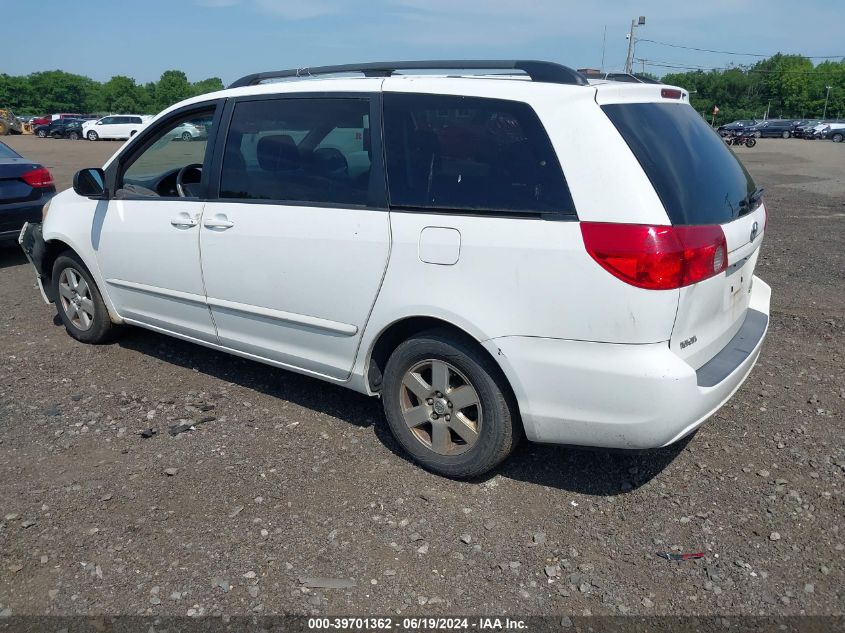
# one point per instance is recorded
(6, 152)
(699, 180)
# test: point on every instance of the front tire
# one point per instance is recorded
(93, 136)
(73, 136)
(785, 134)
(449, 406)
(186, 136)
(41, 133)
(751, 142)
(78, 301)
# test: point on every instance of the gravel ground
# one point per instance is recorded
(286, 481)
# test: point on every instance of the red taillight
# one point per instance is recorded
(657, 257)
(671, 93)
(38, 178)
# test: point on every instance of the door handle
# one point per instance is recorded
(218, 221)
(183, 220)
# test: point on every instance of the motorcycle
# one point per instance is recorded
(740, 137)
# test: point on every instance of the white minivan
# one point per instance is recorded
(116, 126)
(500, 250)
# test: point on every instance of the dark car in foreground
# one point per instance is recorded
(25, 187)
(61, 128)
(774, 128)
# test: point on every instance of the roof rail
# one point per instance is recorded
(546, 72)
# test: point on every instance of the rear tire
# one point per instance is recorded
(466, 430)
(41, 134)
(78, 301)
(786, 134)
(837, 138)
(73, 136)
(751, 142)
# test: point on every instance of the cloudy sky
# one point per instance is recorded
(230, 38)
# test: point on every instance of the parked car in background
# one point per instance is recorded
(437, 241)
(9, 123)
(190, 131)
(773, 128)
(25, 187)
(833, 131)
(49, 118)
(805, 127)
(735, 126)
(115, 126)
(58, 128)
(71, 130)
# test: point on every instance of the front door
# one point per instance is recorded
(147, 235)
(295, 247)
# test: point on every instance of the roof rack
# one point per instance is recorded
(546, 72)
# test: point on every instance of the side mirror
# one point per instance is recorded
(90, 183)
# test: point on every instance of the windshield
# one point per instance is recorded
(698, 178)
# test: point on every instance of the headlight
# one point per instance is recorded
(45, 210)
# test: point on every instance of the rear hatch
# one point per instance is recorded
(701, 183)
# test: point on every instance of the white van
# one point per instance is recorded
(114, 126)
(494, 255)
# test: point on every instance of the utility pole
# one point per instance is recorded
(603, 44)
(827, 96)
(629, 64)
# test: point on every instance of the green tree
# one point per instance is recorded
(122, 95)
(171, 88)
(212, 84)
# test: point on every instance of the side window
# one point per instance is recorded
(469, 153)
(298, 150)
(182, 143)
(107, 120)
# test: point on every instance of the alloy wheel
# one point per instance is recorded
(75, 298)
(441, 407)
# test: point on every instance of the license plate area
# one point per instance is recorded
(738, 283)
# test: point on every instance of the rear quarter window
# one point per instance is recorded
(698, 178)
(454, 154)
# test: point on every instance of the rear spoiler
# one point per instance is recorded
(618, 92)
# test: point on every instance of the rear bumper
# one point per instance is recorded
(625, 396)
(14, 216)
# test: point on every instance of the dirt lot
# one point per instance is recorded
(286, 478)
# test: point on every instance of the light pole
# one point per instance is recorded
(826, 97)
(629, 64)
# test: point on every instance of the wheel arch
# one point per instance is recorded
(404, 328)
(54, 247)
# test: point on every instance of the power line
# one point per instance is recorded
(710, 50)
(681, 66)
